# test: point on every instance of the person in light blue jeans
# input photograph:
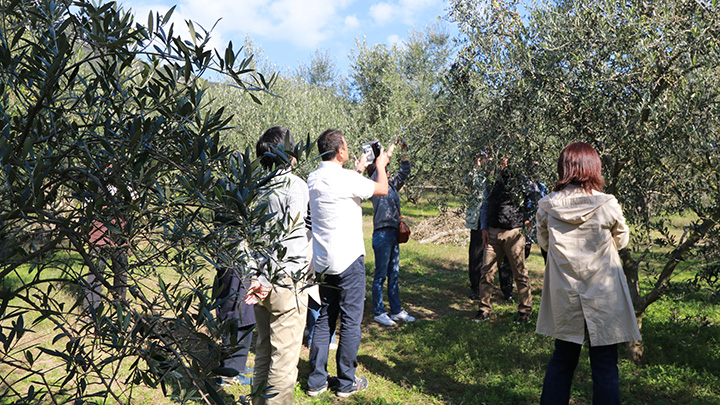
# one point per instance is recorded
(313, 314)
(386, 219)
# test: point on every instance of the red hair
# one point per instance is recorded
(579, 164)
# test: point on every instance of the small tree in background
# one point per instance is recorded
(321, 71)
(105, 125)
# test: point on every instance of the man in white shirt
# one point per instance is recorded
(338, 254)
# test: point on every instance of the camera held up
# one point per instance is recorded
(374, 149)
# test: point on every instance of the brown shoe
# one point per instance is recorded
(522, 318)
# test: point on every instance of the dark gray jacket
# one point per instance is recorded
(386, 209)
(500, 208)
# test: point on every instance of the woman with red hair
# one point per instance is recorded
(584, 287)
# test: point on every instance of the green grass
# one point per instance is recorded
(445, 358)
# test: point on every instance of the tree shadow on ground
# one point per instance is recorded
(444, 354)
(432, 288)
(692, 342)
(459, 360)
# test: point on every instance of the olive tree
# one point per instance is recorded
(321, 71)
(637, 80)
(401, 91)
(306, 109)
(105, 126)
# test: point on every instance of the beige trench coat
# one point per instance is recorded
(584, 280)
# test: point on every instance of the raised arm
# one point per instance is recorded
(381, 184)
(399, 179)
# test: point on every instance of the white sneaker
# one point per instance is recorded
(402, 316)
(384, 319)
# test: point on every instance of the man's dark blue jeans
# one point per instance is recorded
(342, 295)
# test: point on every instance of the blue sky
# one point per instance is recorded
(290, 31)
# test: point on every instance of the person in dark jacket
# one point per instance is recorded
(502, 219)
(229, 289)
(386, 219)
(476, 181)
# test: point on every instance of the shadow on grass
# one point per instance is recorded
(444, 357)
(433, 287)
(444, 354)
(684, 343)
(683, 363)
(177, 391)
(462, 361)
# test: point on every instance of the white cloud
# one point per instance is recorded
(289, 30)
(382, 12)
(406, 11)
(304, 23)
(394, 40)
(351, 23)
(179, 19)
(418, 4)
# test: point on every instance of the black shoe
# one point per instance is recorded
(474, 296)
(522, 318)
(481, 316)
(361, 383)
(509, 298)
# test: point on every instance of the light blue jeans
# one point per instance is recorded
(313, 314)
(387, 264)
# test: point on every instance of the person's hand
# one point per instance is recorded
(256, 293)
(361, 164)
(403, 147)
(527, 224)
(485, 237)
(391, 150)
(403, 144)
(382, 160)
